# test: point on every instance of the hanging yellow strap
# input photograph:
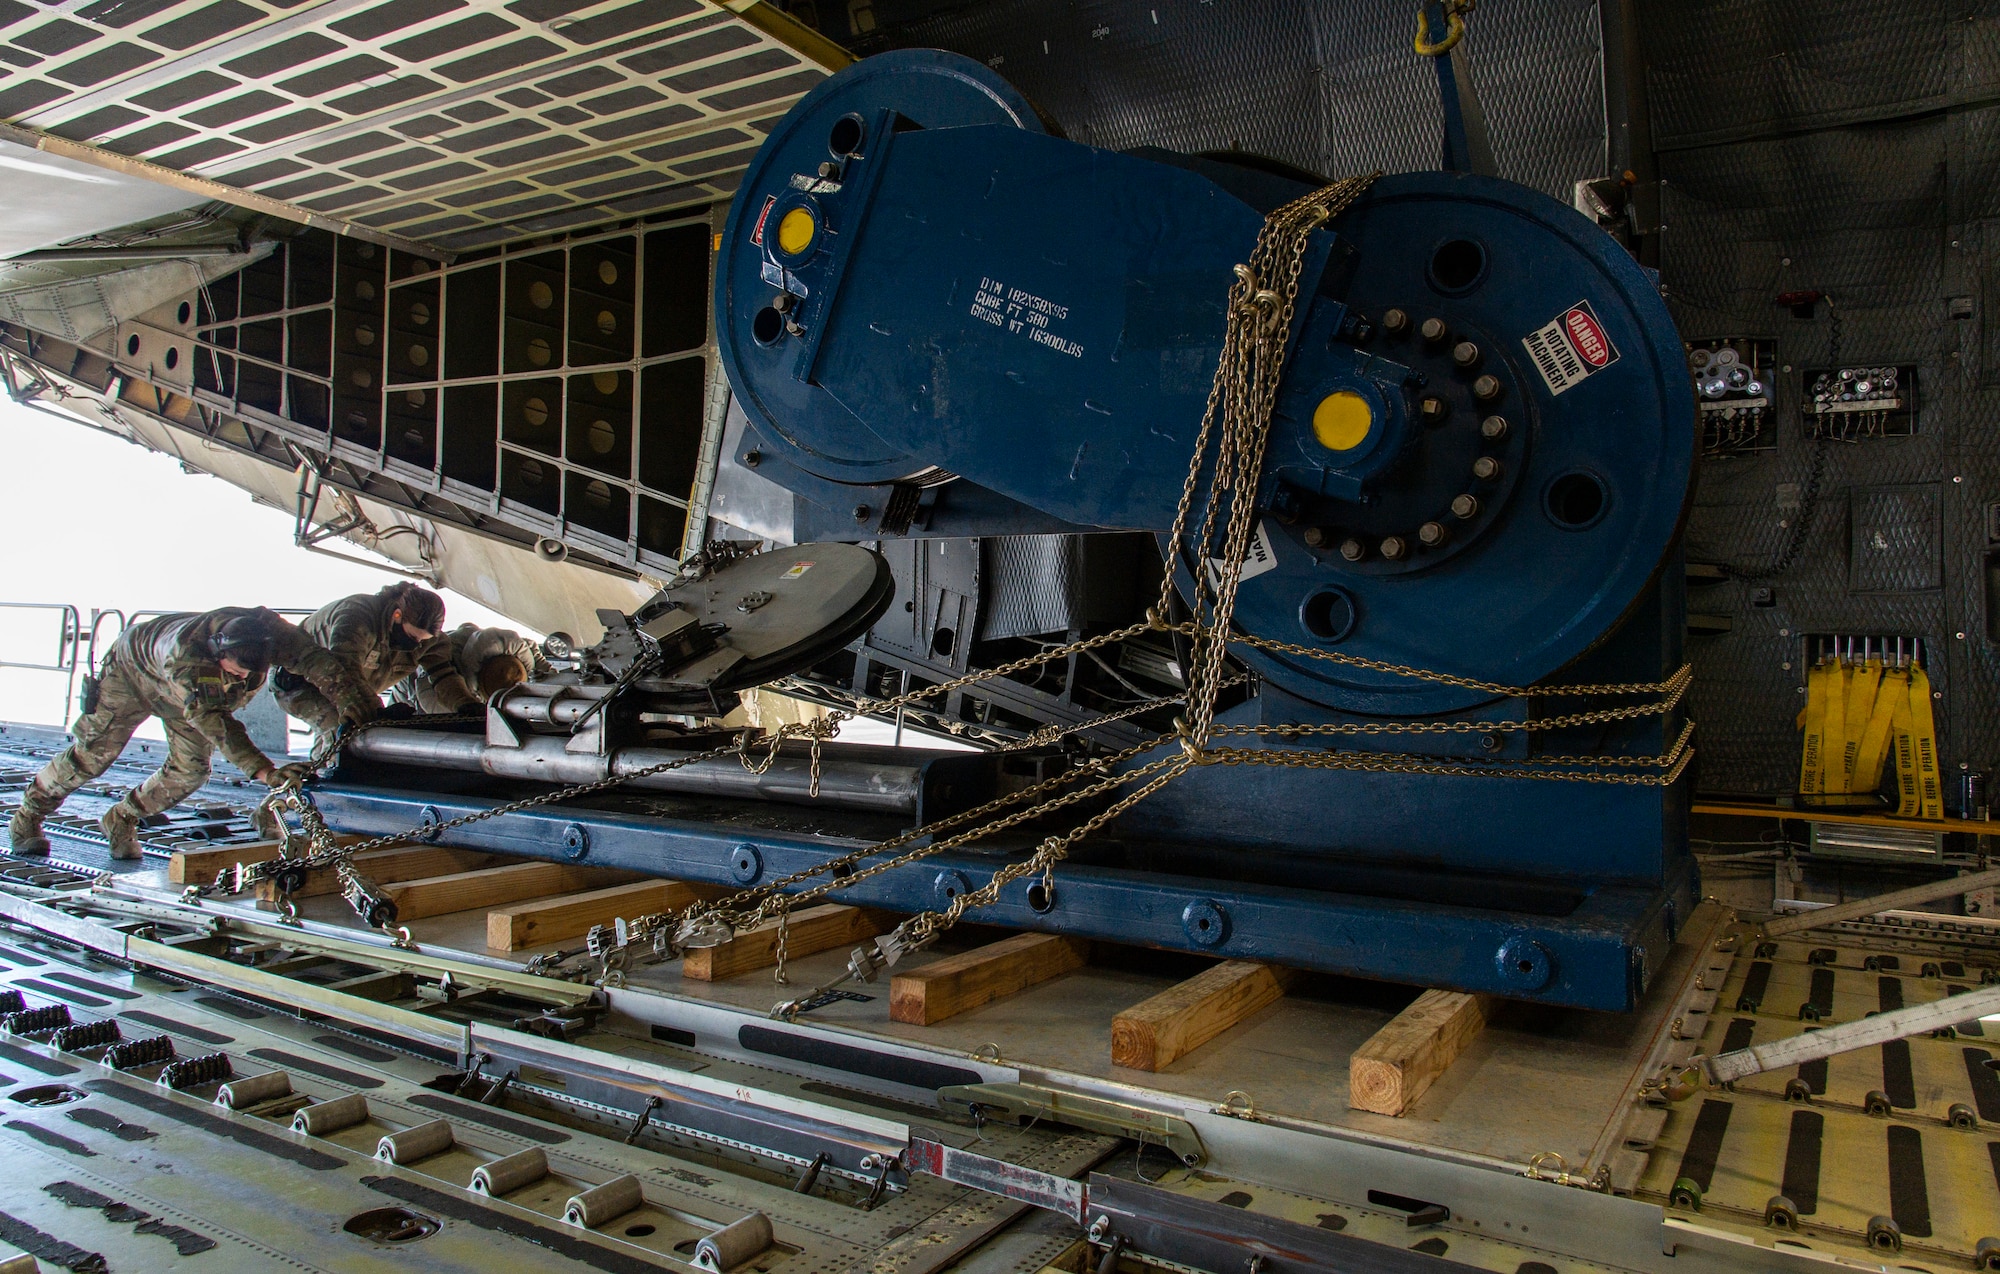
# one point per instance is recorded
(1863, 680)
(1892, 687)
(1812, 761)
(1908, 802)
(1833, 730)
(1923, 731)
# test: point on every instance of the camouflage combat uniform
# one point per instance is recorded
(356, 631)
(163, 668)
(471, 646)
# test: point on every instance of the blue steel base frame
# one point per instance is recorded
(1599, 956)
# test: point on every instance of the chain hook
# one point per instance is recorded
(1454, 27)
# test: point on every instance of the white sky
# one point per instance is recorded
(94, 521)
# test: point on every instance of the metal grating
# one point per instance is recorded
(515, 381)
(1803, 148)
(1895, 545)
(460, 123)
(1330, 86)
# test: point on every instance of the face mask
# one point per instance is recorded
(399, 637)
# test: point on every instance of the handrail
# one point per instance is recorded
(68, 642)
(97, 618)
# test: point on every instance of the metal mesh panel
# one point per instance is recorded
(1894, 533)
(1330, 86)
(456, 123)
(1723, 68)
(1805, 152)
(1033, 585)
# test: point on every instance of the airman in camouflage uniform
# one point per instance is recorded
(487, 659)
(192, 672)
(380, 639)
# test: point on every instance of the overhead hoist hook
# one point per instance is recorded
(1454, 27)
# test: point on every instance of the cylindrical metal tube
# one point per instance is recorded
(515, 1172)
(845, 783)
(416, 1143)
(252, 1089)
(734, 1243)
(560, 708)
(324, 1117)
(603, 1204)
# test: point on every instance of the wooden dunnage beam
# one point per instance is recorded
(1387, 1074)
(384, 866)
(531, 924)
(493, 887)
(1150, 1035)
(198, 866)
(812, 930)
(945, 988)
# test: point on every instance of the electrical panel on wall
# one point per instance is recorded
(1850, 404)
(1735, 392)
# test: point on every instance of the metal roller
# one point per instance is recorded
(416, 1143)
(331, 1116)
(516, 1171)
(253, 1089)
(603, 1204)
(734, 1243)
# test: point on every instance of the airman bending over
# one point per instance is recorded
(487, 659)
(380, 639)
(192, 672)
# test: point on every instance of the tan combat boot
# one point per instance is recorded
(24, 830)
(121, 828)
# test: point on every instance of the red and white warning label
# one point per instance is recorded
(1570, 347)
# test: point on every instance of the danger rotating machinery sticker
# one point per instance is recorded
(1570, 347)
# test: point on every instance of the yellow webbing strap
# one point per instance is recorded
(1908, 802)
(1833, 730)
(1893, 687)
(1812, 761)
(1863, 680)
(1923, 729)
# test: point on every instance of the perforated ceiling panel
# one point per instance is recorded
(460, 123)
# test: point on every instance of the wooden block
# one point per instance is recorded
(493, 886)
(1179, 1020)
(384, 866)
(945, 988)
(198, 866)
(530, 924)
(814, 929)
(1387, 1074)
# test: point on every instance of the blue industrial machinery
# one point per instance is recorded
(943, 321)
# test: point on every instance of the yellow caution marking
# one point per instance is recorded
(796, 231)
(1343, 420)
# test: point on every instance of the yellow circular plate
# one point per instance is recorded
(795, 232)
(1343, 421)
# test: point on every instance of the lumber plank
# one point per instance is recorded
(1392, 1069)
(814, 929)
(531, 924)
(945, 988)
(198, 866)
(384, 866)
(1152, 1034)
(493, 886)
